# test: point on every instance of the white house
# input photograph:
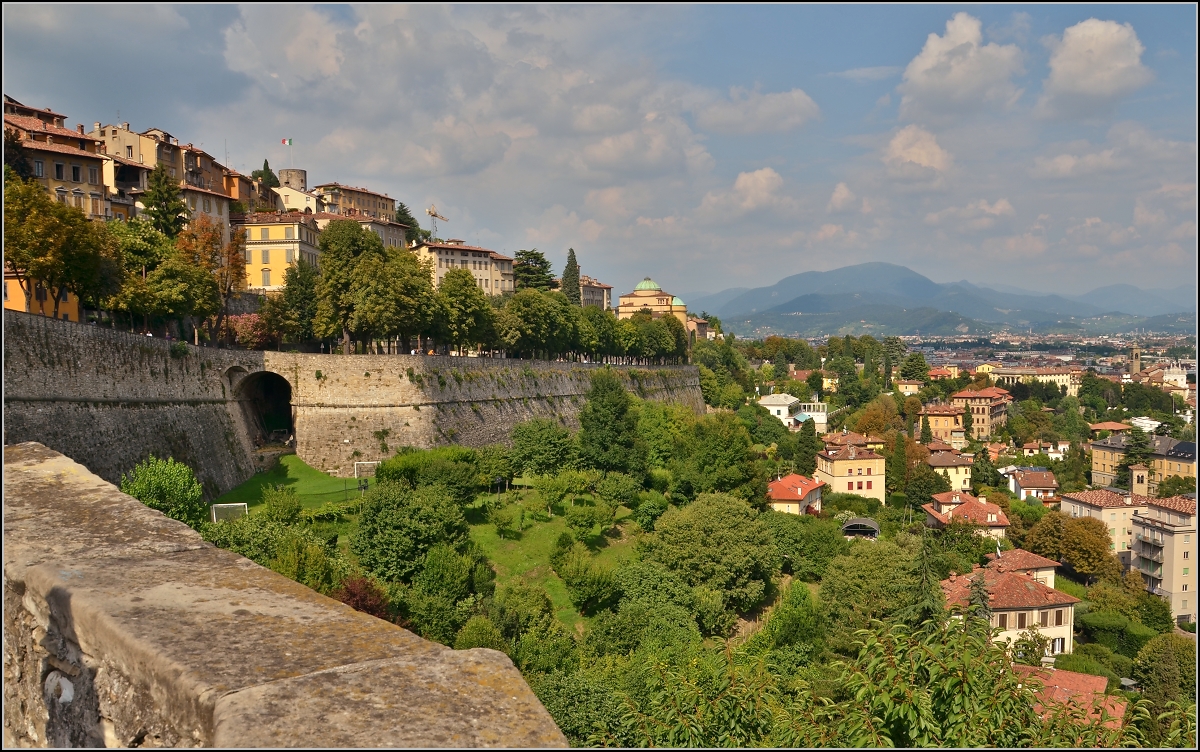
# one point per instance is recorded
(782, 406)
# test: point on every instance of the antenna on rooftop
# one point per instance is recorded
(433, 218)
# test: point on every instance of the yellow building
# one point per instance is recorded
(493, 271)
(39, 301)
(274, 242)
(149, 148)
(391, 233)
(289, 198)
(251, 193)
(851, 469)
(1168, 457)
(125, 182)
(349, 201)
(69, 164)
(648, 295)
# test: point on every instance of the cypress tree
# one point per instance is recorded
(266, 175)
(167, 212)
(806, 452)
(570, 279)
(926, 431)
(887, 370)
(896, 467)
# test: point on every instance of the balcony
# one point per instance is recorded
(1149, 568)
(1148, 540)
(1150, 554)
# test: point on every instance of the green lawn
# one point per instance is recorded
(313, 486)
(1070, 587)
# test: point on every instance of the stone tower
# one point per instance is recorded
(293, 178)
(1135, 365)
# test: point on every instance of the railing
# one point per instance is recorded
(1151, 555)
(1148, 539)
(1149, 569)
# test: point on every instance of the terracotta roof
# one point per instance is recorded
(353, 188)
(939, 446)
(947, 459)
(1106, 499)
(10, 101)
(35, 125)
(1035, 479)
(910, 381)
(833, 453)
(185, 186)
(60, 149)
(792, 487)
(127, 162)
(1109, 425)
(263, 218)
(942, 410)
(1019, 560)
(1006, 590)
(1174, 503)
(1061, 687)
(991, 392)
(970, 510)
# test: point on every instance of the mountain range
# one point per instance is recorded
(891, 299)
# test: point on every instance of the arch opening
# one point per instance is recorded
(266, 401)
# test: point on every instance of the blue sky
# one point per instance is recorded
(1047, 147)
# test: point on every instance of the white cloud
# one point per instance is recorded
(914, 146)
(978, 215)
(752, 191)
(1093, 66)
(1070, 165)
(862, 75)
(841, 199)
(957, 73)
(747, 112)
(1094, 229)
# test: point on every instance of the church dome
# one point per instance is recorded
(647, 284)
(676, 301)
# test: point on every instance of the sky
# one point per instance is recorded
(1051, 148)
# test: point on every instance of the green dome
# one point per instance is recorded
(647, 284)
(676, 301)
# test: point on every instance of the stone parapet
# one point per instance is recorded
(123, 628)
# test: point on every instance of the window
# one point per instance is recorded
(1184, 588)
(192, 203)
(1021, 620)
(859, 486)
(1002, 621)
(291, 255)
(246, 253)
(129, 152)
(264, 233)
(39, 168)
(1058, 617)
(93, 176)
(868, 485)
(1044, 618)
(868, 471)
(266, 256)
(79, 202)
(850, 486)
(58, 170)
(76, 174)
(266, 277)
(220, 208)
(95, 206)
(1185, 554)
(288, 233)
(207, 205)
(1185, 571)
(66, 317)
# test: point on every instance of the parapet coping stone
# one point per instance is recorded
(240, 654)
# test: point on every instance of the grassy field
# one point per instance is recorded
(525, 559)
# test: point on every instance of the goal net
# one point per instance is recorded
(365, 469)
(220, 512)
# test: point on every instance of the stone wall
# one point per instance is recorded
(123, 628)
(109, 398)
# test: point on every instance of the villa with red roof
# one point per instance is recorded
(1018, 601)
(1071, 688)
(961, 506)
(988, 408)
(795, 494)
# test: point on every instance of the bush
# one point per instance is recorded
(583, 518)
(618, 489)
(637, 624)
(1115, 631)
(651, 506)
(1120, 665)
(651, 583)
(1083, 664)
(169, 487)
(456, 468)
(281, 504)
(399, 525)
(306, 561)
(591, 588)
(480, 632)
(806, 544)
(364, 594)
(580, 704)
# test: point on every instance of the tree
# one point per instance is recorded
(464, 313)
(719, 542)
(807, 447)
(480, 632)
(532, 270)
(165, 208)
(1137, 451)
(1165, 670)
(53, 246)
(1176, 485)
(926, 431)
(806, 544)
(608, 436)
(1086, 546)
(542, 447)
(915, 368)
(869, 582)
(923, 483)
(299, 301)
(180, 289)
(202, 244)
(716, 457)
(168, 486)
(528, 323)
(570, 279)
(896, 465)
(1045, 538)
(413, 229)
(887, 371)
(983, 470)
(266, 175)
(343, 243)
(399, 525)
(16, 157)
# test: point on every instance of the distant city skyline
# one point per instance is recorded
(1050, 148)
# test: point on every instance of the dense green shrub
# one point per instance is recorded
(806, 544)
(479, 632)
(454, 467)
(168, 486)
(1083, 664)
(591, 588)
(651, 583)
(281, 504)
(1115, 631)
(579, 704)
(398, 525)
(639, 623)
(1120, 665)
(651, 506)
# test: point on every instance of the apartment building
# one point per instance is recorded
(391, 233)
(845, 438)
(1168, 457)
(1164, 539)
(988, 408)
(954, 467)
(1018, 601)
(852, 469)
(493, 271)
(348, 201)
(251, 193)
(39, 301)
(291, 198)
(151, 147)
(275, 241)
(1026, 562)
(946, 423)
(782, 406)
(1063, 378)
(1115, 510)
(125, 181)
(68, 164)
(593, 292)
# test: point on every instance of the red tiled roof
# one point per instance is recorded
(1061, 687)
(792, 487)
(991, 392)
(938, 445)
(942, 410)
(1109, 425)
(185, 186)
(33, 125)
(1105, 499)
(353, 188)
(834, 453)
(970, 510)
(1019, 560)
(1175, 504)
(1035, 479)
(128, 162)
(1006, 590)
(60, 149)
(947, 459)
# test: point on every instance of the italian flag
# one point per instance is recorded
(287, 142)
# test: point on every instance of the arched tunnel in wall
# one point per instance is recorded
(266, 402)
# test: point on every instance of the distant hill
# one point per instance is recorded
(898, 287)
(711, 302)
(864, 318)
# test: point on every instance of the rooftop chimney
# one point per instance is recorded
(125, 126)
(79, 128)
(96, 126)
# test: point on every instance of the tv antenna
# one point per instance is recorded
(433, 218)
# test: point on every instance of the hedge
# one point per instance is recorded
(1116, 632)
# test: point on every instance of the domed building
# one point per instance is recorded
(648, 294)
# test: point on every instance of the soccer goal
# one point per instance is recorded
(220, 512)
(367, 469)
